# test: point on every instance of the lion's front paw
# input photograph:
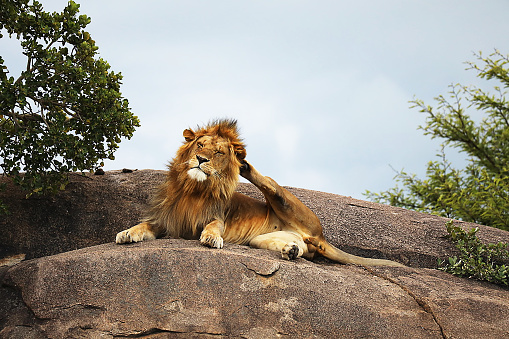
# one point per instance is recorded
(211, 239)
(135, 234)
(127, 237)
(291, 251)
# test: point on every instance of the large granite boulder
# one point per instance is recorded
(171, 288)
(94, 208)
(177, 288)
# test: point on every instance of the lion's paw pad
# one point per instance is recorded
(290, 251)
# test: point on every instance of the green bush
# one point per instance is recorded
(476, 260)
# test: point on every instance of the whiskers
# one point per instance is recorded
(209, 170)
(218, 175)
(179, 166)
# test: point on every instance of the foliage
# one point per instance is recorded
(479, 192)
(476, 260)
(64, 112)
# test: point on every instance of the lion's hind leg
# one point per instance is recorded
(289, 244)
(136, 233)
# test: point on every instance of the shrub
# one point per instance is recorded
(476, 260)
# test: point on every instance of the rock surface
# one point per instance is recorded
(176, 288)
(94, 208)
(91, 211)
(167, 287)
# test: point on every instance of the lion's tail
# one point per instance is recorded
(333, 253)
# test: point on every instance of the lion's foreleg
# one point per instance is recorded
(287, 207)
(212, 234)
(140, 232)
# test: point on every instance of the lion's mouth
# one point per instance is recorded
(198, 167)
(196, 173)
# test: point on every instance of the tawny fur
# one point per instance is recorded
(198, 201)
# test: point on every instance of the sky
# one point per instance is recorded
(320, 89)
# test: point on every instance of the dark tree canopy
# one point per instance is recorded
(480, 191)
(64, 112)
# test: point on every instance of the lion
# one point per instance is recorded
(198, 200)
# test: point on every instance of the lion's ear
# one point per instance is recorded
(189, 135)
(240, 152)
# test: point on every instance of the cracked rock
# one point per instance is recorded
(177, 286)
(171, 288)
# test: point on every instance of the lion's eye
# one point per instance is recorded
(219, 153)
(200, 145)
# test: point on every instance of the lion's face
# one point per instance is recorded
(210, 157)
(213, 154)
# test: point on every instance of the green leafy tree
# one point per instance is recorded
(65, 111)
(479, 192)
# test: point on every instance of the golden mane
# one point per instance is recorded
(183, 206)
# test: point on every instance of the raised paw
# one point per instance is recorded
(291, 251)
(244, 167)
(245, 170)
(209, 239)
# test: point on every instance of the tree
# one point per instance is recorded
(64, 113)
(479, 192)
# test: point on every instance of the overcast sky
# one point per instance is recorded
(320, 89)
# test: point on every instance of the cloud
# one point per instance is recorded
(287, 139)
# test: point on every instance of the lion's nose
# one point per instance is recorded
(201, 159)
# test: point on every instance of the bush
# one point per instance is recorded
(476, 260)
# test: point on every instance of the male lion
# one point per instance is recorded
(198, 201)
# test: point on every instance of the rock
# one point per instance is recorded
(167, 287)
(94, 208)
(177, 288)
(91, 211)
